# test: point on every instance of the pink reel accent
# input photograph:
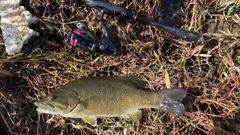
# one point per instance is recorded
(73, 41)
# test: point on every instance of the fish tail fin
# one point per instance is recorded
(171, 101)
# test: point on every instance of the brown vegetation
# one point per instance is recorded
(210, 72)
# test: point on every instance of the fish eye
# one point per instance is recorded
(52, 97)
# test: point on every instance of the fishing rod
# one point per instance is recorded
(108, 8)
(119, 11)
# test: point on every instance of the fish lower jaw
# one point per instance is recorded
(45, 112)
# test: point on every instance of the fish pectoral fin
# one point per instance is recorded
(91, 120)
(134, 116)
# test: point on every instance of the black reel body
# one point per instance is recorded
(83, 38)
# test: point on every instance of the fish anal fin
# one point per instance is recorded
(134, 116)
(91, 120)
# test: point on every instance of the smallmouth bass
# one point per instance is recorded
(122, 96)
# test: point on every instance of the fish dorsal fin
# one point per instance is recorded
(91, 120)
(134, 116)
(133, 80)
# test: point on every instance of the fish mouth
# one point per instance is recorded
(37, 104)
(41, 107)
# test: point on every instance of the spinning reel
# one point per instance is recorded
(83, 38)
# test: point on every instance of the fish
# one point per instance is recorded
(90, 98)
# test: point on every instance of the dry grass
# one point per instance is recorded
(210, 73)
